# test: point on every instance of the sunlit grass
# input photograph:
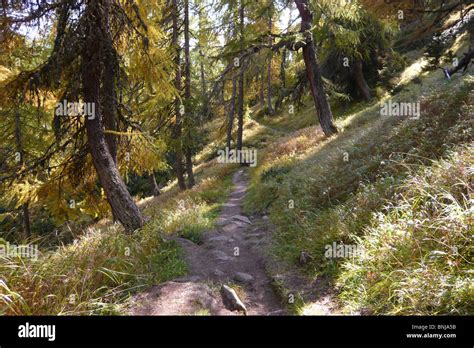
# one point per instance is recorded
(91, 276)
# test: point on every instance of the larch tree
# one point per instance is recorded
(313, 70)
(85, 65)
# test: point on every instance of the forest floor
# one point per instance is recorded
(234, 254)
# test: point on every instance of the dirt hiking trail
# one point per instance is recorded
(231, 255)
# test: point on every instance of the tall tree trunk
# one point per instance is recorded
(240, 100)
(362, 86)
(187, 96)
(108, 92)
(269, 67)
(231, 113)
(177, 104)
(313, 70)
(262, 89)
(122, 204)
(19, 146)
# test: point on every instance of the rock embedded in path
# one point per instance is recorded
(241, 218)
(231, 300)
(240, 224)
(220, 255)
(231, 228)
(244, 278)
(253, 235)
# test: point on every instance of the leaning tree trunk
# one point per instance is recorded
(231, 113)
(362, 86)
(109, 99)
(122, 204)
(177, 82)
(313, 71)
(187, 95)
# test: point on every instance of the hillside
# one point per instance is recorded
(313, 158)
(400, 188)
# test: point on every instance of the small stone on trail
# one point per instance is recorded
(242, 218)
(231, 301)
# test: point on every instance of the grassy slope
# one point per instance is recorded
(399, 188)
